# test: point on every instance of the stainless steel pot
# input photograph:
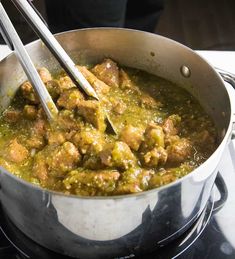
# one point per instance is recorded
(98, 227)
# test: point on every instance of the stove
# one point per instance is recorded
(18, 245)
(211, 236)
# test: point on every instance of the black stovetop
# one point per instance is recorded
(212, 236)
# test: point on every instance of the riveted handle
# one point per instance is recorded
(222, 188)
(229, 78)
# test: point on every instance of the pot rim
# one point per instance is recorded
(143, 193)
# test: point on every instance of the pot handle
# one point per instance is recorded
(222, 188)
(229, 78)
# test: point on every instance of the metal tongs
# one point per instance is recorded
(13, 41)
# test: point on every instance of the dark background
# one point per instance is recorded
(198, 24)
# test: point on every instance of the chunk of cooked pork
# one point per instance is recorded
(12, 115)
(156, 156)
(99, 86)
(170, 125)
(15, 152)
(44, 74)
(179, 150)
(107, 72)
(118, 155)
(30, 112)
(90, 141)
(132, 136)
(134, 180)
(56, 160)
(70, 98)
(92, 113)
(65, 83)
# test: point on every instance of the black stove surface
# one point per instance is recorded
(212, 236)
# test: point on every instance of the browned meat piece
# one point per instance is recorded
(179, 150)
(67, 121)
(126, 82)
(134, 180)
(69, 135)
(44, 74)
(90, 141)
(203, 138)
(99, 86)
(55, 137)
(107, 72)
(153, 137)
(38, 132)
(15, 152)
(118, 106)
(40, 169)
(170, 125)
(152, 148)
(170, 139)
(132, 136)
(70, 98)
(149, 102)
(28, 93)
(37, 142)
(41, 113)
(30, 112)
(93, 182)
(39, 127)
(12, 115)
(65, 83)
(56, 160)
(63, 158)
(93, 113)
(119, 155)
(157, 156)
(53, 88)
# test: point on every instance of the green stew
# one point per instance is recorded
(163, 133)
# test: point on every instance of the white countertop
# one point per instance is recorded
(4, 51)
(221, 59)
